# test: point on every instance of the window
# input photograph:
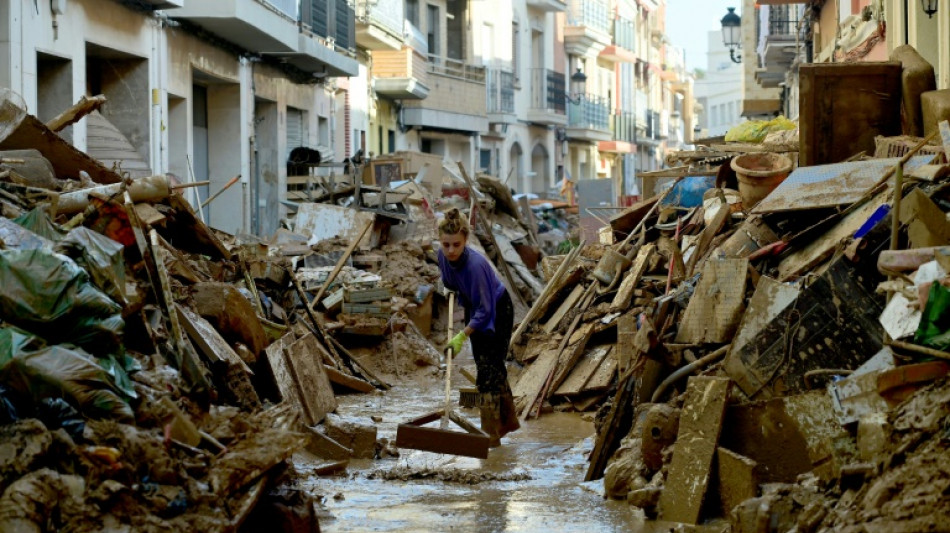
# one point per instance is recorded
(432, 30)
(515, 49)
(484, 160)
(392, 141)
(412, 12)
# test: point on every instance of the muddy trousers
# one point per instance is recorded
(490, 349)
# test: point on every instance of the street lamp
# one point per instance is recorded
(929, 6)
(578, 86)
(732, 34)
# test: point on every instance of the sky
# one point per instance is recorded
(688, 22)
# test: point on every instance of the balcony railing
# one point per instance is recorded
(388, 14)
(454, 68)
(590, 112)
(625, 34)
(287, 7)
(333, 20)
(590, 13)
(500, 87)
(624, 126)
(547, 90)
(784, 22)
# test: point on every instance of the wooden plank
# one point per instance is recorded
(583, 370)
(717, 305)
(615, 426)
(306, 364)
(564, 308)
(149, 215)
(534, 376)
(709, 233)
(601, 379)
(208, 340)
(323, 446)
(821, 248)
(286, 384)
(629, 284)
(570, 355)
(349, 382)
(700, 425)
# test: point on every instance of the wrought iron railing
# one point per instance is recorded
(500, 89)
(548, 90)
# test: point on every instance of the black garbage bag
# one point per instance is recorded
(56, 413)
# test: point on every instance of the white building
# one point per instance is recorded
(719, 91)
(203, 89)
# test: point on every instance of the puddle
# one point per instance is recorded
(547, 456)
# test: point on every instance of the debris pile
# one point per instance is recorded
(155, 372)
(746, 353)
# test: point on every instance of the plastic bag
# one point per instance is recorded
(100, 256)
(688, 192)
(934, 328)
(38, 222)
(48, 294)
(56, 413)
(38, 372)
(755, 131)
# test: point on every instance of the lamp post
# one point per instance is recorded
(929, 7)
(732, 33)
(578, 86)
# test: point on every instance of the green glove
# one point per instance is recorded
(456, 343)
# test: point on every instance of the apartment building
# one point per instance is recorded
(205, 90)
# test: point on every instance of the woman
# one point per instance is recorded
(488, 316)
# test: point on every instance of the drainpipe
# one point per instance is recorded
(158, 84)
(247, 132)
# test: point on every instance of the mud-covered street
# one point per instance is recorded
(533, 482)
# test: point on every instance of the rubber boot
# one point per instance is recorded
(489, 408)
(509, 413)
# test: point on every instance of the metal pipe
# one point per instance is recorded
(688, 369)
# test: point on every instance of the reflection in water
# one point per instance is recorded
(551, 450)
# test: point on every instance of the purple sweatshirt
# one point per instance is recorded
(476, 284)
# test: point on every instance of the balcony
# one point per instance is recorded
(457, 99)
(551, 6)
(400, 75)
(624, 45)
(781, 45)
(588, 26)
(500, 96)
(623, 126)
(548, 98)
(255, 25)
(587, 120)
(379, 24)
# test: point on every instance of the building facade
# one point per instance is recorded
(719, 91)
(207, 90)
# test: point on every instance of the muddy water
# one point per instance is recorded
(550, 452)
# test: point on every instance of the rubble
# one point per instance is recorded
(774, 361)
